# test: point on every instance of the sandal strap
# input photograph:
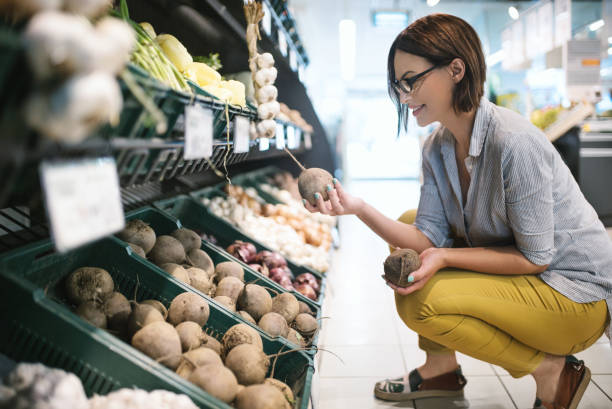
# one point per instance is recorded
(449, 381)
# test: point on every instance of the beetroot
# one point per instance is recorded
(306, 290)
(309, 279)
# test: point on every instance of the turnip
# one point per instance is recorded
(286, 305)
(141, 316)
(198, 258)
(188, 307)
(196, 358)
(228, 269)
(314, 180)
(167, 249)
(230, 287)
(138, 232)
(210, 342)
(255, 300)
(295, 338)
(136, 249)
(217, 380)
(177, 272)
(188, 238)
(200, 280)
(304, 308)
(117, 309)
(284, 388)
(399, 265)
(240, 334)
(249, 363)
(191, 335)
(247, 317)
(274, 324)
(90, 311)
(305, 324)
(158, 306)
(261, 397)
(160, 341)
(226, 302)
(89, 284)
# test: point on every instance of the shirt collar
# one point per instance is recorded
(481, 126)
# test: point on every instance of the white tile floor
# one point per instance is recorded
(365, 333)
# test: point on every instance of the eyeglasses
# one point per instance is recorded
(406, 85)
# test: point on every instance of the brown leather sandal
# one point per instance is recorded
(450, 384)
(574, 379)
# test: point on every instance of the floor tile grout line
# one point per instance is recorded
(505, 387)
(601, 389)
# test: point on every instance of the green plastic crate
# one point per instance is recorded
(194, 213)
(164, 223)
(38, 324)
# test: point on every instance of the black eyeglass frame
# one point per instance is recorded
(399, 86)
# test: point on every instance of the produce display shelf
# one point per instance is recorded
(224, 232)
(38, 324)
(164, 224)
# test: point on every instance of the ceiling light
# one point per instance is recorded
(348, 47)
(390, 18)
(513, 12)
(432, 3)
(596, 25)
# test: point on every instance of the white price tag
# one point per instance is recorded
(241, 134)
(282, 43)
(83, 200)
(291, 137)
(264, 144)
(301, 73)
(307, 140)
(266, 22)
(280, 136)
(298, 138)
(198, 132)
(293, 60)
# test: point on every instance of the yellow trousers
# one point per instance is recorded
(506, 320)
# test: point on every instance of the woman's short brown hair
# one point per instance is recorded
(440, 38)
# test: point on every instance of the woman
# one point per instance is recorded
(516, 267)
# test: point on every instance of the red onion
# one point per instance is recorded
(243, 251)
(278, 273)
(285, 282)
(260, 269)
(306, 290)
(270, 259)
(307, 278)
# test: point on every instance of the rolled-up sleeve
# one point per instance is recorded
(431, 219)
(528, 184)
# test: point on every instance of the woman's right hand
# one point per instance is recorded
(340, 202)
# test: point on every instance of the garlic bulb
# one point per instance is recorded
(87, 8)
(265, 60)
(267, 128)
(269, 110)
(265, 76)
(117, 41)
(266, 94)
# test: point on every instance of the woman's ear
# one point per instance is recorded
(457, 70)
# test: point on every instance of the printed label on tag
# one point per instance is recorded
(264, 144)
(307, 141)
(198, 132)
(83, 200)
(280, 136)
(241, 134)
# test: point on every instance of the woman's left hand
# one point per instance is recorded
(432, 260)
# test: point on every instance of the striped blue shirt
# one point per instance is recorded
(521, 193)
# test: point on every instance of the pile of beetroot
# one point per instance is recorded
(273, 265)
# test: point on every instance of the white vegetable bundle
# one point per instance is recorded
(263, 74)
(80, 61)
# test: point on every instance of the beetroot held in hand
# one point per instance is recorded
(399, 265)
(314, 180)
